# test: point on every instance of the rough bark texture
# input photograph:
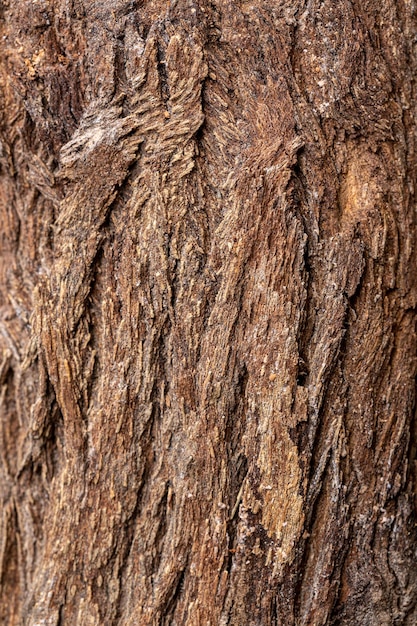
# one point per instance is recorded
(208, 302)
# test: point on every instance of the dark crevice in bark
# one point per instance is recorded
(308, 312)
(274, 612)
(338, 604)
(318, 467)
(129, 527)
(10, 567)
(60, 621)
(163, 73)
(354, 298)
(146, 460)
(411, 477)
(238, 479)
(161, 514)
(169, 605)
(232, 537)
(9, 431)
(335, 536)
(237, 462)
(52, 435)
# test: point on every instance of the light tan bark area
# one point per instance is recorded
(208, 304)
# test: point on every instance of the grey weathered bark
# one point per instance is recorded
(208, 291)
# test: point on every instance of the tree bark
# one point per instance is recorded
(208, 307)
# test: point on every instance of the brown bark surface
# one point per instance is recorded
(207, 310)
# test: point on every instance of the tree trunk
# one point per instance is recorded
(208, 305)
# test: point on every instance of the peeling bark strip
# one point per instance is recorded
(208, 304)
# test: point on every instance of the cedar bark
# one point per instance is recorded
(208, 307)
